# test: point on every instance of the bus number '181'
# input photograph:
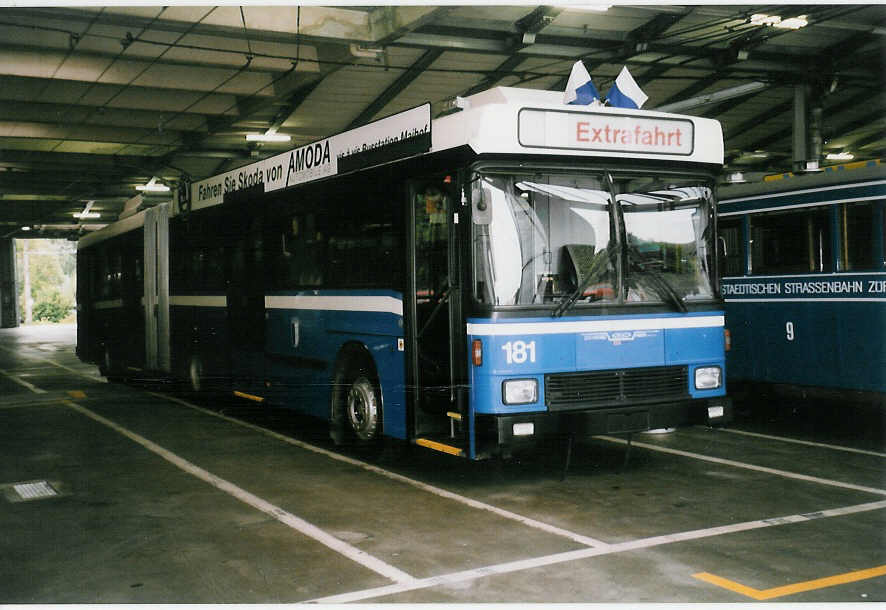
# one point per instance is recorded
(517, 352)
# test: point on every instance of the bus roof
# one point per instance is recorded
(502, 120)
(528, 121)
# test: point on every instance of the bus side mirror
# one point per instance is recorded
(481, 204)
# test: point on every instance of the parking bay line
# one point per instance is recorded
(97, 378)
(800, 587)
(802, 442)
(527, 521)
(22, 382)
(725, 462)
(361, 557)
(621, 547)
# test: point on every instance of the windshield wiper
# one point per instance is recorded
(594, 272)
(663, 287)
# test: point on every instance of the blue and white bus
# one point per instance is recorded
(805, 281)
(516, 269)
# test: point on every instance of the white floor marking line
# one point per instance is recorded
(644, 543)
(98, 378)
(51, 402)
(296, 523)
(23, 383)
(725, 462)
(802, 442)
(528, 521)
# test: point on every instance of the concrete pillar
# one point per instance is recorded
(8, 299)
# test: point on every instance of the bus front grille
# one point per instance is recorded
(593, 389)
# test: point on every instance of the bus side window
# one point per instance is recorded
(859, 227)
(792, 242)
(731, 247)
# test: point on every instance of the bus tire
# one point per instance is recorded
(109, 367)
(363, 410)
(196, 382)
(356, 415)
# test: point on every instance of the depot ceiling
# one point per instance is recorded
(95, 101)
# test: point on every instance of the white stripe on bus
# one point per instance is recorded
(211, 300)
(843, 274)
(368, 303)
(815, 300)
(802, 192)
(800, 206)
(584, 326)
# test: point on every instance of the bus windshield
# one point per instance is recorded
(592, 239)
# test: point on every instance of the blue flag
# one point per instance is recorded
(580, 89)
(625, 92)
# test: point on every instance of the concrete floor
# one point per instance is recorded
(162, 498)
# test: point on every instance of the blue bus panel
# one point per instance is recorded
(812, 330)
(804, 280)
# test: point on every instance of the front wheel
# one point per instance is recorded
(362, 410)
(356, 413)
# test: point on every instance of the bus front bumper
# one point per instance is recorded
(524, 429)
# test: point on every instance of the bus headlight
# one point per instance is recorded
(519, 391)
(708, 377)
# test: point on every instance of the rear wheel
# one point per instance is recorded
(195, 374)
(110, 367)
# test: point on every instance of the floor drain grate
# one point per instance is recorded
(29, 490)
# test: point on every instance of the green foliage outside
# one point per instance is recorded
(51, 265)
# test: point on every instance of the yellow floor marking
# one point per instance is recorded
(438, 446)
(248, 396)
(77, 394)
(809, 585)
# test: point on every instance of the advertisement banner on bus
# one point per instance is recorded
(398, 136)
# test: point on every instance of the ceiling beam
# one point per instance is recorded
(397, 87)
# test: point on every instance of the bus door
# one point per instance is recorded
(246, 304)
(154, 265)
(433, 332)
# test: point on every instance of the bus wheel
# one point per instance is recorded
(195, 374)
(362, 410)
(108, 367)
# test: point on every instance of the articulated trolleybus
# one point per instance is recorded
(805, 282)
(516, 269)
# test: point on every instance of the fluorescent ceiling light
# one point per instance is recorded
(840, 156)
(86, 213)
(268, 136)
(152, 186)
(793, 23)
(761, 19)
(595, 8)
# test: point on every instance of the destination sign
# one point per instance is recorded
(605, 132)
(862, 287)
